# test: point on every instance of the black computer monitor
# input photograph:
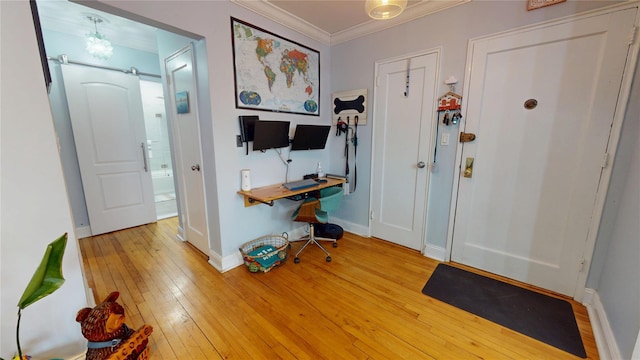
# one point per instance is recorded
(310, 137)
(269, 134)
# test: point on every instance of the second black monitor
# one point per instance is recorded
(310, 137)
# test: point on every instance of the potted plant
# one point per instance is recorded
(46, 279)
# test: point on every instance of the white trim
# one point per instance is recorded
(435, 252)
(272, 12)
(298, 232)
(636, 351)
(83, 232)
(422, 9)
(353, 228)
(181, 234)
(605, 340)
(614, 137)
(223, 264)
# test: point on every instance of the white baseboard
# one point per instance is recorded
(636, 350)
(181, 236)
(435, 252)
(605, 340)
(226, 263)
(351, 227)
(83, 232)
(223, 264)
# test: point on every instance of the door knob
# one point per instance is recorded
(196, 167)
(421, 165)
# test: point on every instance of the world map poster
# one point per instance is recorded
(273, 73)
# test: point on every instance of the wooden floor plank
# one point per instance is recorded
(365, 304)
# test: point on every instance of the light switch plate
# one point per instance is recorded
(445, 139)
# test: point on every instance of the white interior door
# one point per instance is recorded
(183, 108)
(526, 211)
(108, 127)
(404, 113)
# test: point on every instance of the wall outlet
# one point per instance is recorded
(238, 141)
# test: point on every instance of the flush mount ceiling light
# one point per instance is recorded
(97, 44)
(384, 9)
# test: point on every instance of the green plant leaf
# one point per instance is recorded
(48, 276)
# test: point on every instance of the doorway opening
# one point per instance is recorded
(136, 47)
(159, 149)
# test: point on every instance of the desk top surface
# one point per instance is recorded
(278, 191)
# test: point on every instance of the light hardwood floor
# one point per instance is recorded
(366, 304)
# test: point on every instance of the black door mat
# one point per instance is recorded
(544, 318)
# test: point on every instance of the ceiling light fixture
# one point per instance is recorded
(97, 44)
(384, 9)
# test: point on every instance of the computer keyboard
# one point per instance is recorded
(301, 184)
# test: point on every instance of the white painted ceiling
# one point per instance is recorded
(328, 21)
(70, 18)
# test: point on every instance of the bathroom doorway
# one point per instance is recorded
(159, 149)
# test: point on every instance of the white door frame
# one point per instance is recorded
(614, 137)
(432, 140)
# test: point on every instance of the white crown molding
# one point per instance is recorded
(411, 13)
(272, 12)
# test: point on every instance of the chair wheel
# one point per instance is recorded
(335, 244)
(328, 258)
(296, 260)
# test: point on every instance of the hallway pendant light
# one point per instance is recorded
(97, 44)
(384, 9)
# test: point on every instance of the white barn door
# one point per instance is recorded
(108, 127)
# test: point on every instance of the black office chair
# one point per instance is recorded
(315, 212)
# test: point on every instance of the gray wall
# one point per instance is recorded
(615, 261)
(34, 207)
(353, 68)
(615, 268)
(345, 66)
(222, 159)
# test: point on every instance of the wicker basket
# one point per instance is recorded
(265, 253)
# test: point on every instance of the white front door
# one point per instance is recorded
(541, 103)
(183, 107)
(108, 127)
(405, 98)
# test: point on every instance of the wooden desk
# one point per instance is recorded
(268, 194)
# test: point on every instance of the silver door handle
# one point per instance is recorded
(196, 167)
(421, 165)
(144, 157)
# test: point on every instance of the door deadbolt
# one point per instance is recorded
(195, 167)
(468, 167)
(421, 165)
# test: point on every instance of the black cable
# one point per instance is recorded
(346, 151)
(354, 139)
(435, 148)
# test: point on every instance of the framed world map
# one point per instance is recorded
(273, 73)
